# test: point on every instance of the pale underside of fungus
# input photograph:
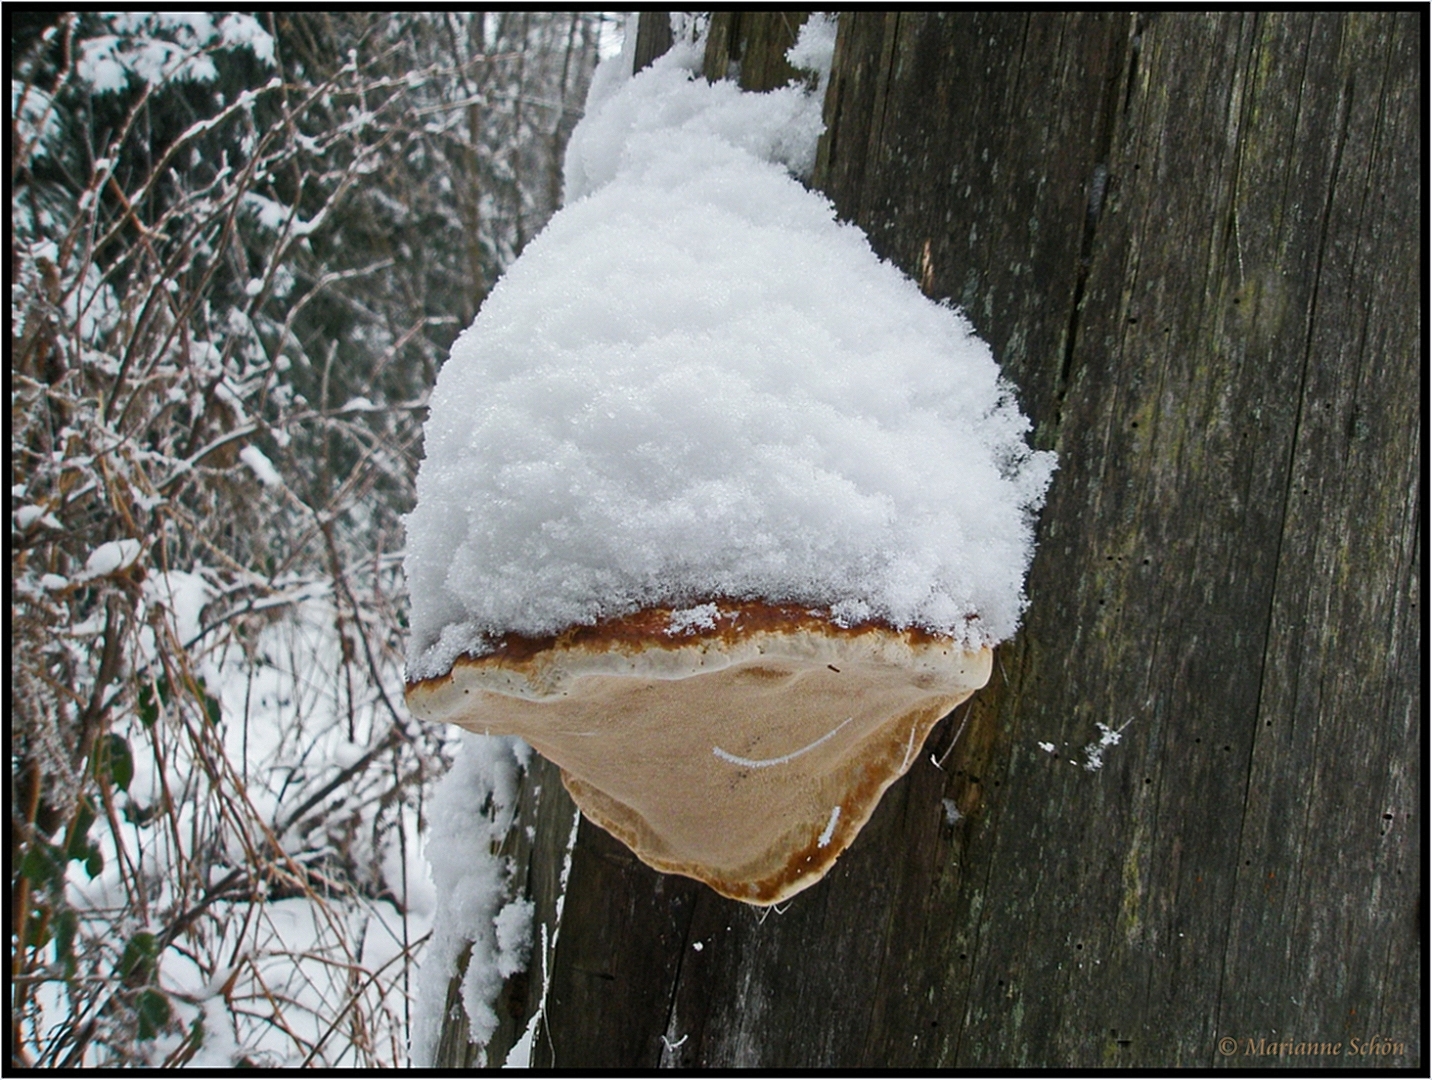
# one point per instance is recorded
(741, 744)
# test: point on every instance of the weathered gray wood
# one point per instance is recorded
(1193, 242)
(653, 37)
(750, 47)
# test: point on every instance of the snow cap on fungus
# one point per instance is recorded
(719, 512)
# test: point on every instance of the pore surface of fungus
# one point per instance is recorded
(744, 748)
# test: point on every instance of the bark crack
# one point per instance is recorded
(1094, 203)
(665, 1057)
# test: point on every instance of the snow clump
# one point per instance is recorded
(697, 384)
(472, 811)
(112, 557)
(260, 466)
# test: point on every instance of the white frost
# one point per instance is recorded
(696, 384)
(1094, 752)
(952, 811)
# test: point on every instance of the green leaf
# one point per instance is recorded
(79, 845)
(94, 862)
(39, 932)
(66, 925)
(212, 709)
(42, 863)
(148, 709)
(137, 962)
(153, 1009)
(112, 757)
(136, 813)
(162, 685)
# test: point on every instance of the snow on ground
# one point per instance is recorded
(265, 982)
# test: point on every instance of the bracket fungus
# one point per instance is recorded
(718, 511)
(745, 751)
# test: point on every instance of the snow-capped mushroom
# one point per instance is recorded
(697, 386)
(742, 744)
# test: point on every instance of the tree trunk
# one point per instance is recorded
(1193, 243)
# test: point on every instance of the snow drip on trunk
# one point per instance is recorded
(472, 811)
(696, 383)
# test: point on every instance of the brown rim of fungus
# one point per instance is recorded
(745, 746)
